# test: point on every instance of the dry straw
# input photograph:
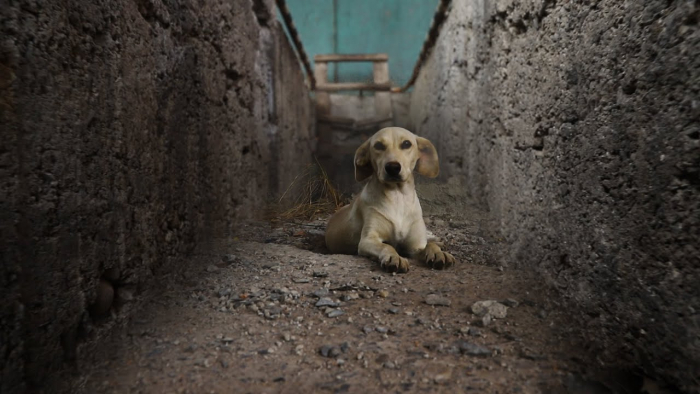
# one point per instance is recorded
(312, 195)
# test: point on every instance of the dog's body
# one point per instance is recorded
(386, 220)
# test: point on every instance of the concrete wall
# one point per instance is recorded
(576, 124)
(130, 130)
(396, 27)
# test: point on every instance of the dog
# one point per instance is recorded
(385, 221)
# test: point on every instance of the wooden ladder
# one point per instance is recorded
(380, 85)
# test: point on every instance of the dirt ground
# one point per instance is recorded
(265, 311)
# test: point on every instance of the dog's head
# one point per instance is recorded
(392, 154)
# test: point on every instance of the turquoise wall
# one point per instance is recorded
(395, 27)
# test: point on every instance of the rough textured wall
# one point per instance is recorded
(577, 123)
(130, 130)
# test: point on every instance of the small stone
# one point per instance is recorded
(344, 347)
(383, 293)
(434, 299)
(367, 329)
(322, 292)
(299, 350)
(335, 313)
(473, 331)
(329, 351)
(228, 258)
(490, 307)
(301, 280)
(484, 320)
(325, 350)
(510, 303)
(325, 301)
(350, 296)
(443, 377)
(382, 330)
(472, 349)
(287, 337)
(319, 274)
(226, 340)
(394, 311)
(389, 365)
(224, 292)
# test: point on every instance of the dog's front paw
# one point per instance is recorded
(394, 263)
(437, 259)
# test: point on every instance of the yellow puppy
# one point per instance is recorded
(385, 221)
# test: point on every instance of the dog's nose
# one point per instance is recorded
(392, 168)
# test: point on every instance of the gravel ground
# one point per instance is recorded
(268, 311)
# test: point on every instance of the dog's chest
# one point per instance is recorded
(402, 211)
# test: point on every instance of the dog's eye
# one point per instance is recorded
(379, 146)
(406, 144)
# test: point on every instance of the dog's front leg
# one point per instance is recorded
(372, 245)
(434, 257)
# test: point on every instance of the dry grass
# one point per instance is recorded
(311, 195)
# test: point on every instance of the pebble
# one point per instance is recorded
(434, 299)
(473, 331)
(350, 296)
(389, 365)
(322, 292)
(301, 280)
(490, 307)
(383, 293)
(325, 301)
(319, 274)
(472, 349)
(224, 292)
(329, 351)
(510, 303)
(367, 329)
(484, 320)
(335, 313)
(228, 258)
(382, 330)
(443, 378)
(394, 311)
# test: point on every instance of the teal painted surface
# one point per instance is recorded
(395, 27)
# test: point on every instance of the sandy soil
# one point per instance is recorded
(267, 311)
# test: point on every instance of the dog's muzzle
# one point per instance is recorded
(393, 171)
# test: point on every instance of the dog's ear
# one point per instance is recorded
(428, 164)
(363, 164)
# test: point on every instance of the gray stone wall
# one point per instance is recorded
(576, 123)
(130, 131)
